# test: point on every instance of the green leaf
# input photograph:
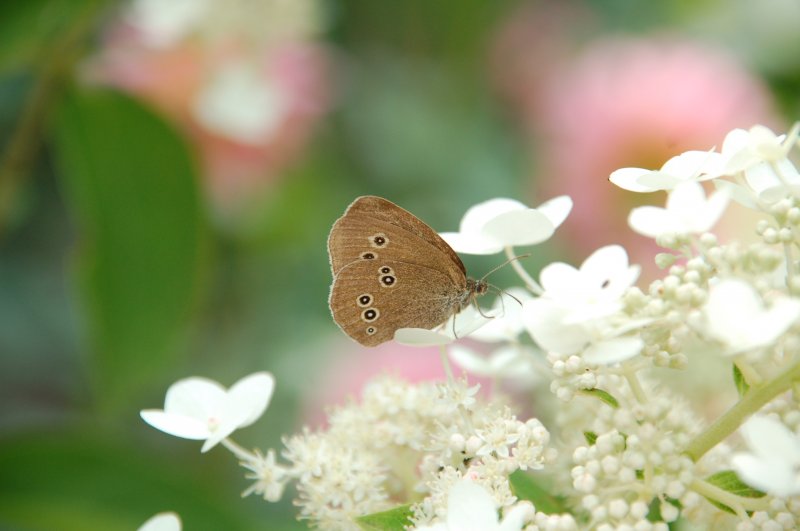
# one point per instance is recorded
(133, 191)
(590, 436)
(525, 487)
(604, 396)
(729, 481)
(395, 519)
(738, 380)
(83, 479)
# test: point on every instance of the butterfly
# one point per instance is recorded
(390, 271)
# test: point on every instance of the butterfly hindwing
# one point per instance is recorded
(370, 300)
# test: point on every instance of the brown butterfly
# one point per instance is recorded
(390, 271)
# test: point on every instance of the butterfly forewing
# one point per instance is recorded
(373, 226)
(370, 300)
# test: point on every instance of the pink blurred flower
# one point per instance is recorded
(248, 104)
(630, 102)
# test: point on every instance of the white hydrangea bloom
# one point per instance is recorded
(578, 307)
(202, 409)
(687, 212)
(493, 225)
(691, 166)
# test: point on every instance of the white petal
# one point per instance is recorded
(628, 179)
(713, 210)
(738, 193)
(772, 323)
(605, 264)
(222, 431)
(768, 437)
(470, 508)
(250, 396)
(556, 209)
(470, 361)
(614, 350)
(195, 397)
(162, 522)
(519, 227)
(421, 337)
(659, 180)
(472, 243)
(515, 518)
(691, 164)
(686, 197)
(177, 425)
(768, 475)
(652, 221)
(545, 323)
(476, 218)
(560, 281)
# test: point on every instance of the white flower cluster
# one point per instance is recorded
(634, 451)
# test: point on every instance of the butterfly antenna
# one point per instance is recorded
(518, 257)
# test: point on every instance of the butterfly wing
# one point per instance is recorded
(370, 300)
(376, 228)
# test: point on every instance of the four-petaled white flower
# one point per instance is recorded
(689, 166)
(470, 507)
(763, 157)
(162, 522)
(774, 464)
(687, 212)
(201, 409)
(578, 307)
(736, 316)
(493, 225)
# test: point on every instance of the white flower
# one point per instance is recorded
(471, 508)
(687, 212)
(489, 227)
(578, 306)
(201, 409)
(457, 327)
(165, 22)
(762, 156)
(688, 166)
(774, 464)
(162, 522)
(241, 104)
(507, 322)
(736, 316)
(508, 361)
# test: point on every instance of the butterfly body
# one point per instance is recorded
(391, 270)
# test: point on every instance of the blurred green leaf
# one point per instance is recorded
(729, 481)
(603, 396)
(133, 190)
(27, 27)
(395, 519)
(738, 380)
(80, 480)
(525, 487)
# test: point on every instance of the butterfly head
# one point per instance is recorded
(477, 287)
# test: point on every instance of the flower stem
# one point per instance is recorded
(529, 281)
(755, 398)
(237, 450)
(446, 364)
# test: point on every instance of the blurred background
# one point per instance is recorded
(169, 171)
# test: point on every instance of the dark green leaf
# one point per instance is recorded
(396, 519)
(133, 191)
(590, 436)
(525, 487)
(738, 380)
(605, 396)
(729, 481)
